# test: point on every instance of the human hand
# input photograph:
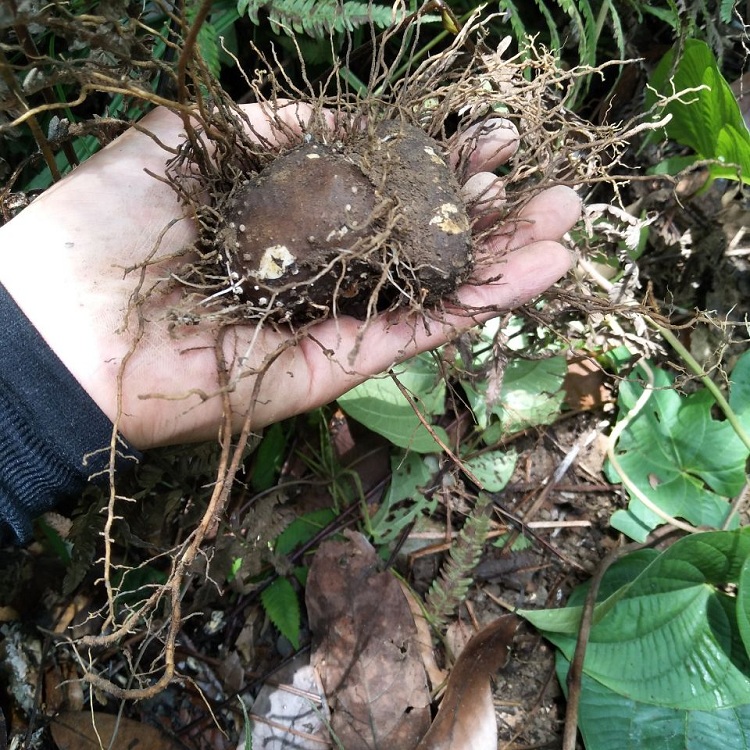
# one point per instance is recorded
(64, 260)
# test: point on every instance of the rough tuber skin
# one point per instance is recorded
(374, 221)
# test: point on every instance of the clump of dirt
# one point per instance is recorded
(354, 227)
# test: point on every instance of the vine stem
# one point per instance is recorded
(456, 460)
(614, 436)
(692, 364)
(711, 387)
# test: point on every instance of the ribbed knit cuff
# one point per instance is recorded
(53, 438)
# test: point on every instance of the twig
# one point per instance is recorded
(709, 384)
(737, 503)
(575, 672)
(693, 365)
(458, 462)
(34, 126)
(634, 490)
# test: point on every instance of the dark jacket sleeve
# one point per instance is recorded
(53, 438)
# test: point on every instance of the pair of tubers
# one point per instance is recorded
(371, 222)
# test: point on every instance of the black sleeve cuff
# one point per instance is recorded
(53, 438)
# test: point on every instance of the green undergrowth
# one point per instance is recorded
(704, 114)
(689, 461)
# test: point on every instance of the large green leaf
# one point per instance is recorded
(410, 476)
(493, 469)
(678, 455)
(667, 634)
(379, 404)
(608, 720)
(708, 121)
(302, 530)
(739, 389)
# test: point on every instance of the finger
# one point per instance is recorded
(547, 216)
(272, 124)
(485, 146)
(284, 121)
(484, 195)
(520, 276)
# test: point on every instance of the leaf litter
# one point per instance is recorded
(366, 650)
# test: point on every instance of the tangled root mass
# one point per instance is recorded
(366, 215)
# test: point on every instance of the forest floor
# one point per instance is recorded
(549, 531)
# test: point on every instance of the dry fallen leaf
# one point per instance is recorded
(365, 649)
(75, 730)
(435, 676)
(466, 718)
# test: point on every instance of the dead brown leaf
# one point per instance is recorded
(466, 718)
(365, 649)
(435, 676)
(79, 730)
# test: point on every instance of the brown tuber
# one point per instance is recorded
(373, 221)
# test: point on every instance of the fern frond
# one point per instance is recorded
(516, 22)
(590, 38)
(617, 30)
(450, 588)
(554, 36)
(317, 18)
(239, 558)
(208, 43)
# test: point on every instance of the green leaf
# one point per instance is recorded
(743, 605)
(282, 606)
(554, 35)
(708, 121)
(608, 720)
(531, 394)
(727, 10)
(668, 635)
(739, 389)
(379, 405)
(493, 469)
(268, 458)
(670, 15)
(678, 455)
(411, 473)
(302, 530)
(208, 43)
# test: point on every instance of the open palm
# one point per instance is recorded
(68, 261)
